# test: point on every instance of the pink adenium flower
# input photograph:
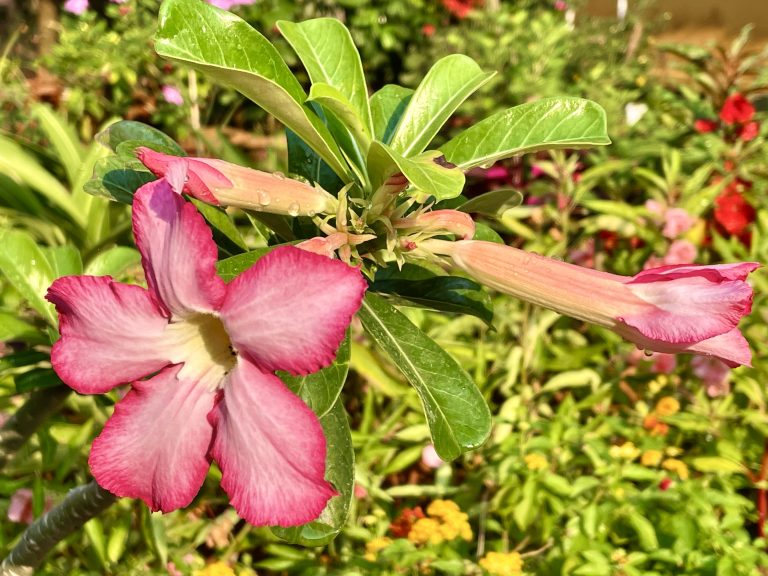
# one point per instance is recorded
(76, 7)
(672, 309)
(210, 350)
(222, 183)
(228, 4)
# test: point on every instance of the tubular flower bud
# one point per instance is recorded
(672, 309)
(453, 222)
(223, 183)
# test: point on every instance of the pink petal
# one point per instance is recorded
(291, 309)
(712, 272)
(731, 347)
(111, 333)
(271, 450)
(178, 252)
(155, 445)
(690, 308)
(197, 177)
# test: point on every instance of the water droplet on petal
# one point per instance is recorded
(648, 353)
(294, 208)
(264, 198)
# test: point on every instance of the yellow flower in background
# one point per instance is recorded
(673, 451)
(425, 531)
(215, 569)
(667, 406)
(502, 563)
(651, 458)
(373, 547)
(443, 508)
(627, 451)
(677, 466)
(536, 461)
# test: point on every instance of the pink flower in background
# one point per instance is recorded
(676, 222)
(172, 95)
(20, 506)
(715, 374)
(210, 350)
(429, 457)
(672, 309)
(228, 4)
(76, 7)
(680, 252)
(222, 183)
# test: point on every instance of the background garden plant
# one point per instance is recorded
(601, 460)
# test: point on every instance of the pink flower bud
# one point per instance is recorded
(453, 222)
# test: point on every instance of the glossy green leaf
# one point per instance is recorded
(132, 131)
(113, 262)
(321, 389)
(493, 202)
(447, 84)
(24, 167)
(118, 178)
(387, 107)
(485, 232)
(35, 379)
(305, 162)
(230, 268)
(231, 52)
(339, 471)
(456, 412)
(646, 533)
(446, 293)
(546, 124)
(423, 172)
(28, 270)
(325, 47)
(12, 328)
(717, 464)
(335, 102)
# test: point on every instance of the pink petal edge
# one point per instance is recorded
(271, 450)
(111, 333)
(290, 310)
(155, 445)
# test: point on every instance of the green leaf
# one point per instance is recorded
(446, 293)
(113, 262)
(546, 124)
(447, 84)
(325, 47)
(225, 233)
(387, 107)
(28, 270)
(141, 134)
(340, 471)
(231, 52)
(334, 101)
(118, 178)
(305, 162)
(12, 328)
(717, 464)
(485, 232)
(321, 389)
(37, 378)
(572, 379)
(231, 268)
(64, 261)
(493, 203)
(62, 137)
(646, 533)
(21, 166)
(423, 172)
(456, 412)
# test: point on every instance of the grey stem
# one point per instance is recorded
(19, 427)
(80, 505)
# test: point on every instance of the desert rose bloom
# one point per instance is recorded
(223, 183)
(673, 309)
(212, 350)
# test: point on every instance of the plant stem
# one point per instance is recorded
(80, 505)
(19, 427)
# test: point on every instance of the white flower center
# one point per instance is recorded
(201, 342)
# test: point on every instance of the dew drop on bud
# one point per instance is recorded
(263, 197)
(293, 209)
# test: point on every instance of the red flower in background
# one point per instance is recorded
(733, 213)
(737, 110)
(461, 8)
(703, 126)
(404, 522)
(749, 131)
(428, 30)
